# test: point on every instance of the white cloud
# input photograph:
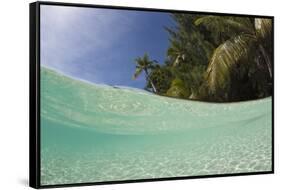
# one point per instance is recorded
(70, 34)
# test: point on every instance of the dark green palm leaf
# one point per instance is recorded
(137, 72)
(225, 58)
(220, 23)
(263, 27)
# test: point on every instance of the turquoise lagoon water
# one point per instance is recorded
(93, 133)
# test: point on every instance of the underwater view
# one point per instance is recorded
(135, 94)
(94, 133)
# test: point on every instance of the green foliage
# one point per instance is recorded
(221, 28)
(146, 65)
(161, 77)
(188, 53)
(178, 89)
(213, 58)
(187, 44)
(263, 28)
(238, 64)
(142, 64)
(234, 55)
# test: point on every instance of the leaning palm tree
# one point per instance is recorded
(176, 52)
(144, 64)
(247, 46)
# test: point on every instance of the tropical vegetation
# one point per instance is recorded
(213, 58)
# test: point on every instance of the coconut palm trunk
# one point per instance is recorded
(153, 86)
(267, 60)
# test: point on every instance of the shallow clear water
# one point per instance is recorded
(93, 133)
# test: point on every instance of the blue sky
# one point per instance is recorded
(100, 45)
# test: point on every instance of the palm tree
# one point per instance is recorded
(187, 44)
(188, 52)
(244, 44)
(176, 52)
(144, 64)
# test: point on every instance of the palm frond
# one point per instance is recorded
(225, 58)
(176, 52)
(137, 72)
(138, 62)
(263, 27)
(222, 23)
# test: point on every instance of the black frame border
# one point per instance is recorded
(34, 94)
